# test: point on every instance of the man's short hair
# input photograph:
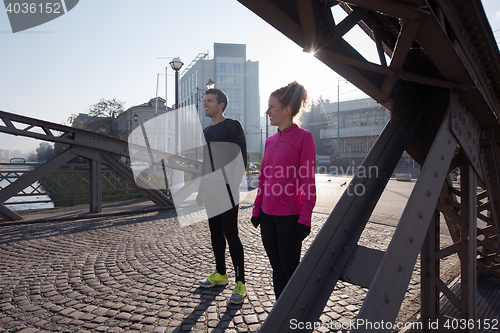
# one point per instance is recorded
(220, 95)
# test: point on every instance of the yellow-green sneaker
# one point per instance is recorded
(239, 293)
(215, 279)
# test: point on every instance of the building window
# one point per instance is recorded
(347, 120)
(334, 120)
(355, 145)
(379, 118)
(158, 142)
(146, 123)
(364, 120)
(356, 120)
(159, 123)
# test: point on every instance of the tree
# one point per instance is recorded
(32, 156)
(101, 118)
(315, 120)
(45, 151)
(16, 154)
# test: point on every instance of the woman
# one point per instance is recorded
(287, 190)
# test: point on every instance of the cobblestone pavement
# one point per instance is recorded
(139, 273)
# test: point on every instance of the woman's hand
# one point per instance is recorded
(302, 231)
(255, 221)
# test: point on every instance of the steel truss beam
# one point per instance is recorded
(389, 286)
(463, 215)
(439, 43)
(98, 148)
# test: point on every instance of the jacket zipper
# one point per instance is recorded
(278, 139)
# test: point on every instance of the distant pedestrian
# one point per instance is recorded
(223, 226)
(287, 190)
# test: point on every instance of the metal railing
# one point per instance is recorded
(67, 186)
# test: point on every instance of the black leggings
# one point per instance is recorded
(225, 227)
(282, 247)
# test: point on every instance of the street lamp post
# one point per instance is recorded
(177, 175)
(210, 84)
(176, 65)
(136, 119)
(338, 121)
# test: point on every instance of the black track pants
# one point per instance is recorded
(225, 227)
(282, 247)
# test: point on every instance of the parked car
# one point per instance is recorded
(403, 176)
(139, 166)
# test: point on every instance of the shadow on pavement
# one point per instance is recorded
(208, 296)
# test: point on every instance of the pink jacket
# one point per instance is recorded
(286, 179)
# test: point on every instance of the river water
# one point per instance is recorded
(21, 206)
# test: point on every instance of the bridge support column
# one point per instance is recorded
(95, 183)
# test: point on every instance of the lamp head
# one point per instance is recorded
(176, 64)
(210, 84)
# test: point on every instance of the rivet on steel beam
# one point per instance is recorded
(303, 305)
(387, 298)
(429, 193)
(332, 251)
(420, 215)
(459, 131)
(356, 207)
(319, 277)
(449, 141)
(411, 239)
(473, 158)
(456, 125)
(400, 267)
(436, 173)
(346, 228)
(442, 156)
(470, 134)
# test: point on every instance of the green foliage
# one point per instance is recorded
(44, 152)
(101, 118)
(65, 191)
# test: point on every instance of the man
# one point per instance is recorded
(223, 226)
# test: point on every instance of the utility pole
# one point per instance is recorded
(338, 121)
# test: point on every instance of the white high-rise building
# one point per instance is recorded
(238, 77)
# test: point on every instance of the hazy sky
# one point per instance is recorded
(109, 49)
